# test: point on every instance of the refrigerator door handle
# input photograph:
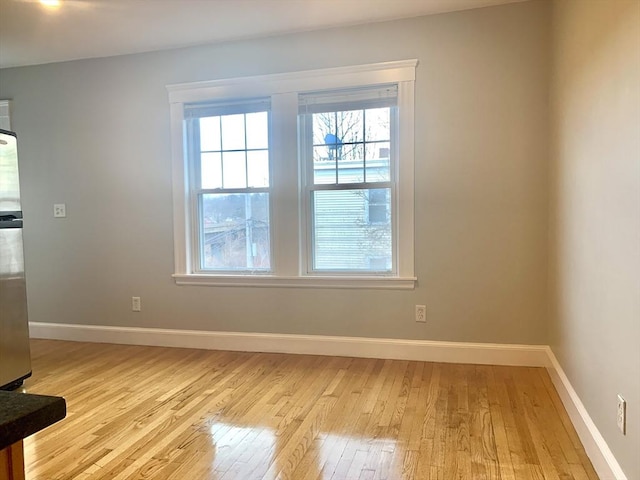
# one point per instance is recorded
(15, 223)
(11, 224)
(10, 215)
(9, 219)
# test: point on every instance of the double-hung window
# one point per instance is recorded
(296, 180)
(348, 141)
(228, 152)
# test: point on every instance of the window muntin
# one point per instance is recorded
(229, 153)
(234, 150)
(346, 142)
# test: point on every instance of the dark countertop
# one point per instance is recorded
(23, 414)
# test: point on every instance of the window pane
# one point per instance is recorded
(258, 130)
(351, 164)
(235, 231)
(343, 238)
(378, 162)
(233, 132)
(378, 124)
(378, 150)
(209, 134)
(211, 170)
(258, 165)
(351, 152)
(350, 126)
(234, 170)
(324, 168)
(324, 128)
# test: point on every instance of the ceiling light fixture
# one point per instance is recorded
(51, 3)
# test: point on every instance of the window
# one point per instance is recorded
(301, 179)
(228, 149)
(346, 139)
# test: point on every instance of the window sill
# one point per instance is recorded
(387, 283)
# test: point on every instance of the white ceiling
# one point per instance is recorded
(31, 33)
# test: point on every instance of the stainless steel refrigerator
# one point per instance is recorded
(15, 356)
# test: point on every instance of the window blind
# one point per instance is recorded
(355, 98)
(227, 107)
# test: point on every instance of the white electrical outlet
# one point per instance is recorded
(59, 210)
(421, 313)
(621, 417)
(135, 304)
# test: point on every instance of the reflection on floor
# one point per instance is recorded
(160, 413)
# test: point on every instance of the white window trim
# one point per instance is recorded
(5, 114)
(283, 90)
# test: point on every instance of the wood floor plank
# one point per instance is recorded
(175, 414)
(499, 428)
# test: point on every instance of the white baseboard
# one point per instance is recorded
(605, 464)
(421, 350)
(597, 449)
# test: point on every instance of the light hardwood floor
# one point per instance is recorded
(163, 413)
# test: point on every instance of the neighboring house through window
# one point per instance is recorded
(301, 179)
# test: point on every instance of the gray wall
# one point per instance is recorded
(94, 134)
(595, 240)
